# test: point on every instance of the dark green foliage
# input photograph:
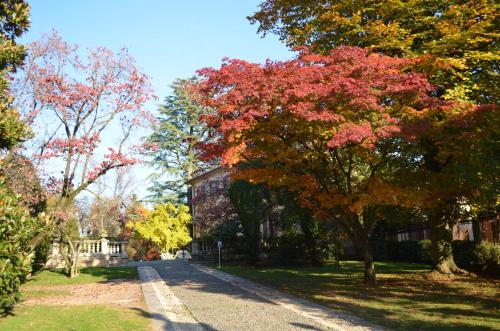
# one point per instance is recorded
(463, 253)
(16, 230)
(418, 251)
(303, 232)
(41, 253)
(293, 249)
(14, 20)
(178, 132)
(410, 251)
(252, 203)
(483, 258)
(229, 232)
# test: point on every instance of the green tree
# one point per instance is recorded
(14, 21)
(166, 226)
(17, 226)
(176, 136)
(251, 203)
(300, 223)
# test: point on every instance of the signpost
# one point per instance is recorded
(219, 246)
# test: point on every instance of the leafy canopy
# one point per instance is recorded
(14, 21)
(178, 131)
(324, 126)
(166, 226)
(462, 36)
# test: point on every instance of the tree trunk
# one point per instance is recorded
(370, 277)
(71, 255)
(364, 249)
(441, 239)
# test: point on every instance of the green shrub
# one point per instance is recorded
(41, 253)
(288, 250)
(16, 228)
(405, 251)
(483, 258)
(487, 258)
(463, 254)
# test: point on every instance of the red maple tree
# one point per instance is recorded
(328, 127)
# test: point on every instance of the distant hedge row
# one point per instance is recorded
(483, 258)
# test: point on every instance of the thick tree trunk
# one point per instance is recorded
(441, 239)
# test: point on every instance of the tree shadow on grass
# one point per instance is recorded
(407, 298)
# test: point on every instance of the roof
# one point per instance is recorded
(204, 175)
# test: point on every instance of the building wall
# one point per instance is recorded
(208, 197)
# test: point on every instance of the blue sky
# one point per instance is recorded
(169, 38)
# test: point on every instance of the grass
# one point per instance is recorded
(74, 317)
(29, 293)
(87, 275)
(77, 318)
(408, 296)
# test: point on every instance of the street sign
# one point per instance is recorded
(219, 246)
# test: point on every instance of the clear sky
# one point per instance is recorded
(169, 38)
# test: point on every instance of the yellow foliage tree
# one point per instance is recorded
(166, 226)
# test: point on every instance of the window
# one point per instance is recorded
(403, 236)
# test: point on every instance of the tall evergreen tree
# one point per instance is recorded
(17, 227)
(14, 21)
(178, 132)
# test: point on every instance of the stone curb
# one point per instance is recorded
(167, 310)
(322, 315)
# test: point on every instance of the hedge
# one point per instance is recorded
(483, 258)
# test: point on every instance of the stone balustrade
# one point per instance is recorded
(102, 252)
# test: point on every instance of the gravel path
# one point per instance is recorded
(219, 304)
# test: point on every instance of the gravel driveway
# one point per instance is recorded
(219, 305)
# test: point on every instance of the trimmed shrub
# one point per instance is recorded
(289, 250)
(41, 254)
(483, 258)
(405, 251)
(463, 254)
(488, 258)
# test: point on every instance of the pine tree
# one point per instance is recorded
(176, 136)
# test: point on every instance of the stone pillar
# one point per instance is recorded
(104, 246)
(123, 248)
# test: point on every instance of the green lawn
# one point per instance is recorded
(77, 318)
(408, 296)
(74, 317)
(87, 275)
